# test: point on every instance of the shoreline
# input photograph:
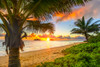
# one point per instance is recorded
(3, 52)
(34, 58)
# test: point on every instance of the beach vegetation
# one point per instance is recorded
(82, 55)
(94, 38)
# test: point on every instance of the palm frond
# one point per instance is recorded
(93, 28)
(83, 21)
(48, 7)
(24, 34)
(76, 31)
(96, 22)
(2, 28)
(37, 26)
(47, 27)
(80, 23)
(89, 21)
(86, 27)
(1, 5)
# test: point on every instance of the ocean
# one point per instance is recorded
(31, 45)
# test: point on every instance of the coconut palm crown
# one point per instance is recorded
(85, 28)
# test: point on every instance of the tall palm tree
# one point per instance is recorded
(14, 14)
(85, 28)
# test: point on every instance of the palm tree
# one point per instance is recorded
(85, 28)
(14, 14)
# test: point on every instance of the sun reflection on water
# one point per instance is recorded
(48, 43)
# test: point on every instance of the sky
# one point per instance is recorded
(64, 23)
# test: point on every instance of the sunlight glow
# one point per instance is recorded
(48, 39)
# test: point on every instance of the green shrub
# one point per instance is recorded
(83, 55)
(94, 39)
(86, 47)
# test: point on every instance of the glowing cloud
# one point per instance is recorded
(91, 9)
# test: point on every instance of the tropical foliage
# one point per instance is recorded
(82, 55)
(85, 28)
(14, 14)
(37, 26)
(94, 38)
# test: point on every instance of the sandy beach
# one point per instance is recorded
(34, 58)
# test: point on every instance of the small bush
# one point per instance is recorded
(94, 39)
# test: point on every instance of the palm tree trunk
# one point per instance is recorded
(86, 36)
(14, 60)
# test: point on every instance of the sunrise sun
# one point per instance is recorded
(48, 39)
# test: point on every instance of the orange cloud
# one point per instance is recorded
(91, 9)
(34, 19)
(75, 14)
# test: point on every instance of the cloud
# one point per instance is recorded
(33, 19)
(3, 34)
(91, 9)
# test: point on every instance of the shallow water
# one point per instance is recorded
(38, 45)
